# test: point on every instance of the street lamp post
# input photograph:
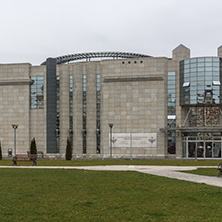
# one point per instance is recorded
(111, 140)
(14, 126)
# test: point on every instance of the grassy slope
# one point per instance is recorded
(77, 195)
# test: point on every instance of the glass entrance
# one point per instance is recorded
(191, 149)
(208, 148)
(205, 146)
(217, 150)
(200, 149)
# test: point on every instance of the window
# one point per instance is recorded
(57, 114)
(98, 113)
(84, 112)
(216, 83)
(186, 84)
(71, 109)
(171, 110)
(37, 92)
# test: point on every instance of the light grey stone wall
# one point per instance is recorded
(219, 51)
(14, 106)
(134, 104)
(181, 53)
(133, 98)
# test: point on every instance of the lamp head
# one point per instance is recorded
(111, 125)
(14, 126)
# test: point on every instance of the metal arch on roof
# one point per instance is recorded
(89, 55)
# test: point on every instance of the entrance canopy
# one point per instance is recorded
(205, 129)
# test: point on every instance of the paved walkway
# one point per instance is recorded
(165, 171)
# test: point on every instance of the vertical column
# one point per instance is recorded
(91, 109)
(64, 107)
(51, 104)
(219, 51)
(77, 110)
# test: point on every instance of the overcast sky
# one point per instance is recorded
(32, 30)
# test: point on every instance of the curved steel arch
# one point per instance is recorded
(89, 55)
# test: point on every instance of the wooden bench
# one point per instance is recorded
(25, 157)
(219, 167)
(40, 154)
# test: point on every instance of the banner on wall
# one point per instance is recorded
(147, 140)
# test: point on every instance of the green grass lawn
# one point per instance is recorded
(78, 195)
(205, 172)
(116, 162)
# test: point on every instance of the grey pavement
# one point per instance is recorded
(164, 171)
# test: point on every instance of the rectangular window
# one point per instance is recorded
(57, 114)
(84, 112)
(71, 109)
(37, 92)
(98, 113)
(186, 84)
(171, 110)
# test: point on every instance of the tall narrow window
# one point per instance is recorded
(57, 114)
(84, 113)
(171, 110)
(71, 109)
(37, 92)
(98, 113)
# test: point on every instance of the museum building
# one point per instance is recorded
(114, 105)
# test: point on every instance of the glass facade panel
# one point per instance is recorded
(171, 93)
(200, 64)
(217, 150)
(37, 92)
(171, 112)
(208, 60)
(201, 88)
(200, 59)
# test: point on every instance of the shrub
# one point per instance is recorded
(33, 149)
(68, 150)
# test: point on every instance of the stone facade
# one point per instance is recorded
(133, 97)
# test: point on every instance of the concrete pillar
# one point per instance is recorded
(91, 109)
(181, 53)
(51, 104)
(219, 51)
(78, 71)
(64, 107)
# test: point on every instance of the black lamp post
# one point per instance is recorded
(14, 126)
(111, 140)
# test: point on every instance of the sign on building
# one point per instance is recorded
(147, 140)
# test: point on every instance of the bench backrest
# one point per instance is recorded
(26, 156)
